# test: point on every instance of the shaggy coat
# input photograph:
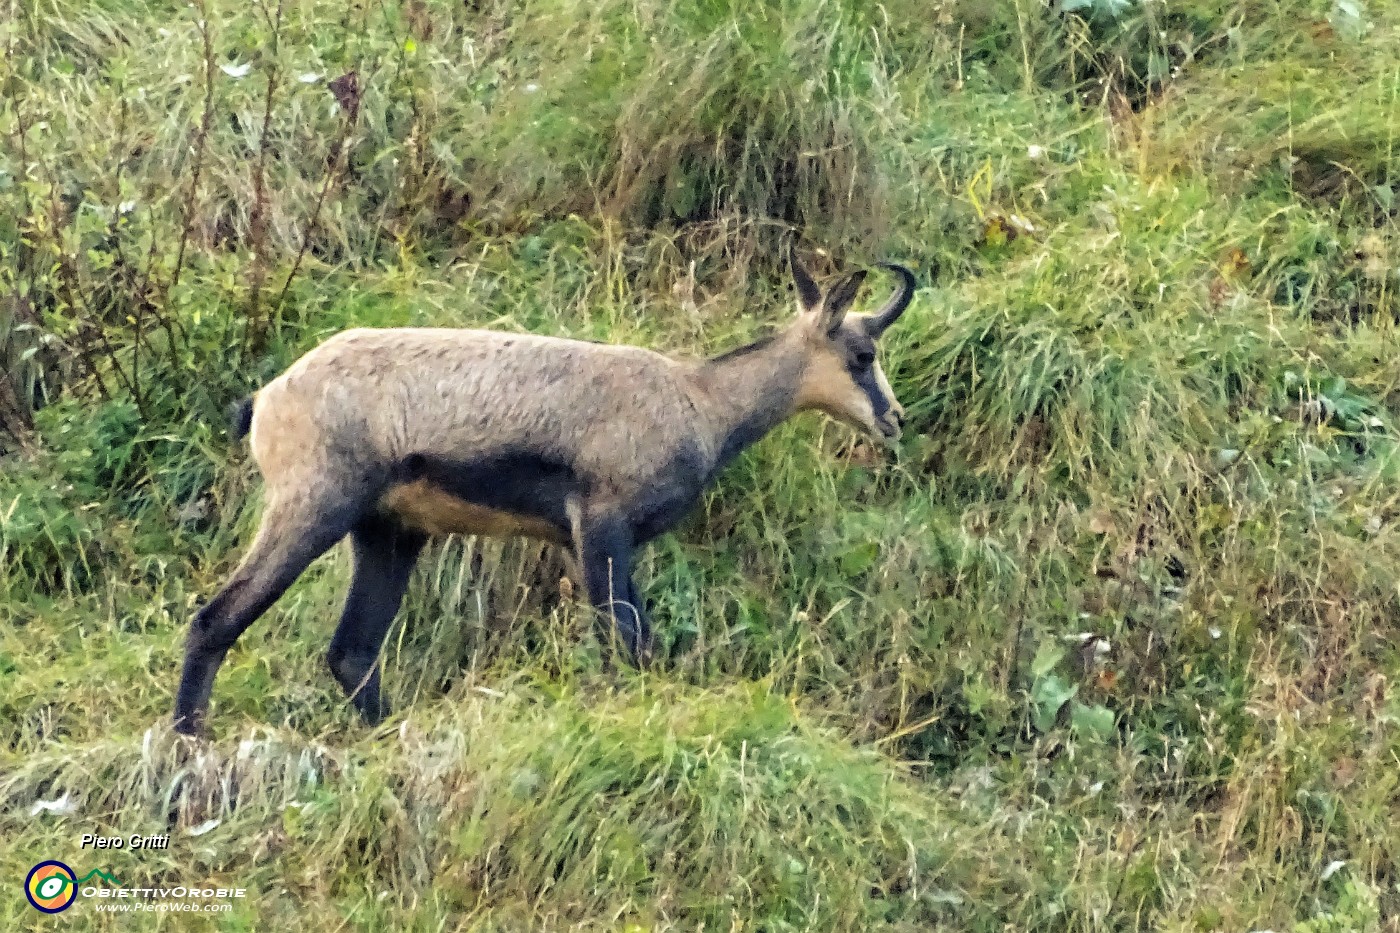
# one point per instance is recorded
(395, 435)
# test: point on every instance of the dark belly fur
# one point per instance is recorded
(515, 493)
(528, 494)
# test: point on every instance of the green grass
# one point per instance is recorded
(1108, 644)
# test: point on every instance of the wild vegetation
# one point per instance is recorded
(1109, 642)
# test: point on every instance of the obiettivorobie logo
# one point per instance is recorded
(53, 887)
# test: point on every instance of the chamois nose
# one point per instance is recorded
(891, 424)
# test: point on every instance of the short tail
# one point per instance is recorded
(240, 416)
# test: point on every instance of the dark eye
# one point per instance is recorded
(862, 360)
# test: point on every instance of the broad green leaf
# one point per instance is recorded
(858, 559)
(1046, 657)
(1096, 721)
(1050, 694)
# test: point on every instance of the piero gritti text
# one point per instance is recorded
(134, 841)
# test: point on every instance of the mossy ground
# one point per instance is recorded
(1109, 643)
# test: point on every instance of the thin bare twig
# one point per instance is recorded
(256, 331)
(201, 140)
(347, 91)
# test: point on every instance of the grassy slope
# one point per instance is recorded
(1153, 393)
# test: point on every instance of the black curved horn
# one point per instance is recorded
(881, 320)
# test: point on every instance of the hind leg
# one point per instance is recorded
(384, 557)
(292, 534)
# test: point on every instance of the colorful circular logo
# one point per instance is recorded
(51, 887)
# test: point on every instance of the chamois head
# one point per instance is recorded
(843, 378)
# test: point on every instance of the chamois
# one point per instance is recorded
(393, 435)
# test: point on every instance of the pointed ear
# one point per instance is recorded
(808, 295)
(838, 300)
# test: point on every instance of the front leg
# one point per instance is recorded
(604, 544)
